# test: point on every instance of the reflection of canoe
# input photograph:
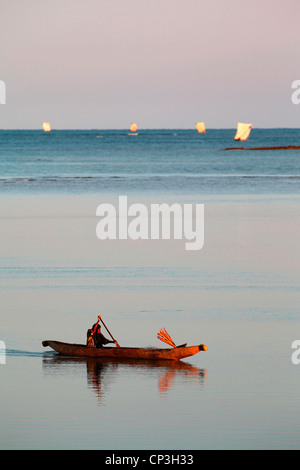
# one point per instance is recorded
(102, 371)
(80, 350)
(58, 362)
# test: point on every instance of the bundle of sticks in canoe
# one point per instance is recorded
(164, 336)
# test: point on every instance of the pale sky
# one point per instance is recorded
(101, 64)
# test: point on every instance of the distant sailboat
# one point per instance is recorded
(200, 127)
(46, 126)
(243, 131)
(133, 128)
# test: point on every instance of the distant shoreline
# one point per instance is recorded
(284, 147)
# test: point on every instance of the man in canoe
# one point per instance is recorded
(95, 339)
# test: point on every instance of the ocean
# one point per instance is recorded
(154, 161)
(239, 294)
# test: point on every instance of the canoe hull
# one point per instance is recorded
(80, 350)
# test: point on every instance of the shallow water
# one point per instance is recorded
(239, 295)
(242, 394)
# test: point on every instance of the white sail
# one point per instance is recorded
(243, 131)
(46, 126)
(133, 126)
(200, 127)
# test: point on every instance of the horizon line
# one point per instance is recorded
(140, 129)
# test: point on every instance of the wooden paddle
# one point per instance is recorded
(116, 343)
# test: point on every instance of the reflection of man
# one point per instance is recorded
(96, 372)
(95, 339)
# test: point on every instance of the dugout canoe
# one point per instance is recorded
(80, 350)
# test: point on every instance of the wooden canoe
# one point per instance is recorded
(80, 350)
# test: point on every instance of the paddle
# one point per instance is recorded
(116, 343)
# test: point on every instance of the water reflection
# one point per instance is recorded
(102, 372)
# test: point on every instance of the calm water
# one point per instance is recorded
(239, 295)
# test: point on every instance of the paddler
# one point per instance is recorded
(95, 339)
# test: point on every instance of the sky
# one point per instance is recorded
(101, 64)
